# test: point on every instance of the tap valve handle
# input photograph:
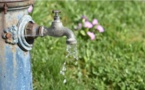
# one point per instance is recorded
(56, 12)
(56, 16)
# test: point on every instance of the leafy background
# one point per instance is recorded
(113, 61)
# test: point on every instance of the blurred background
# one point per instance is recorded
(111, 46)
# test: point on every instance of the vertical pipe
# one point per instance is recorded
(15, 64)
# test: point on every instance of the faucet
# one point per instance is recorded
(17, 34)
(56, 29)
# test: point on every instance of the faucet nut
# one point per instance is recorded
(56, 12)
(41, 28)
(8, 35)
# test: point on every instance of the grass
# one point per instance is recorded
(113, 61)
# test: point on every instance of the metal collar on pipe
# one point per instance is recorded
(15, 3)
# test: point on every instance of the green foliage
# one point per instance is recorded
(113, 61)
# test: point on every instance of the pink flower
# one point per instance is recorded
(84, 18)
(91, 35)
(30, 9)
(100, 28)
(79, 26)
(95, 22)
(87, 24)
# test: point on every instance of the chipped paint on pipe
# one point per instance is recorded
(16, 71)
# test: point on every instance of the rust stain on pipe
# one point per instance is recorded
(2, 26)
(2, 42)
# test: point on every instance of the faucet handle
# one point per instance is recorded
(56, 12)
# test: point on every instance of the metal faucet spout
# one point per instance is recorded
(59, 32)
(70, 36)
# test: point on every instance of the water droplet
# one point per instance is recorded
(64, 81)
